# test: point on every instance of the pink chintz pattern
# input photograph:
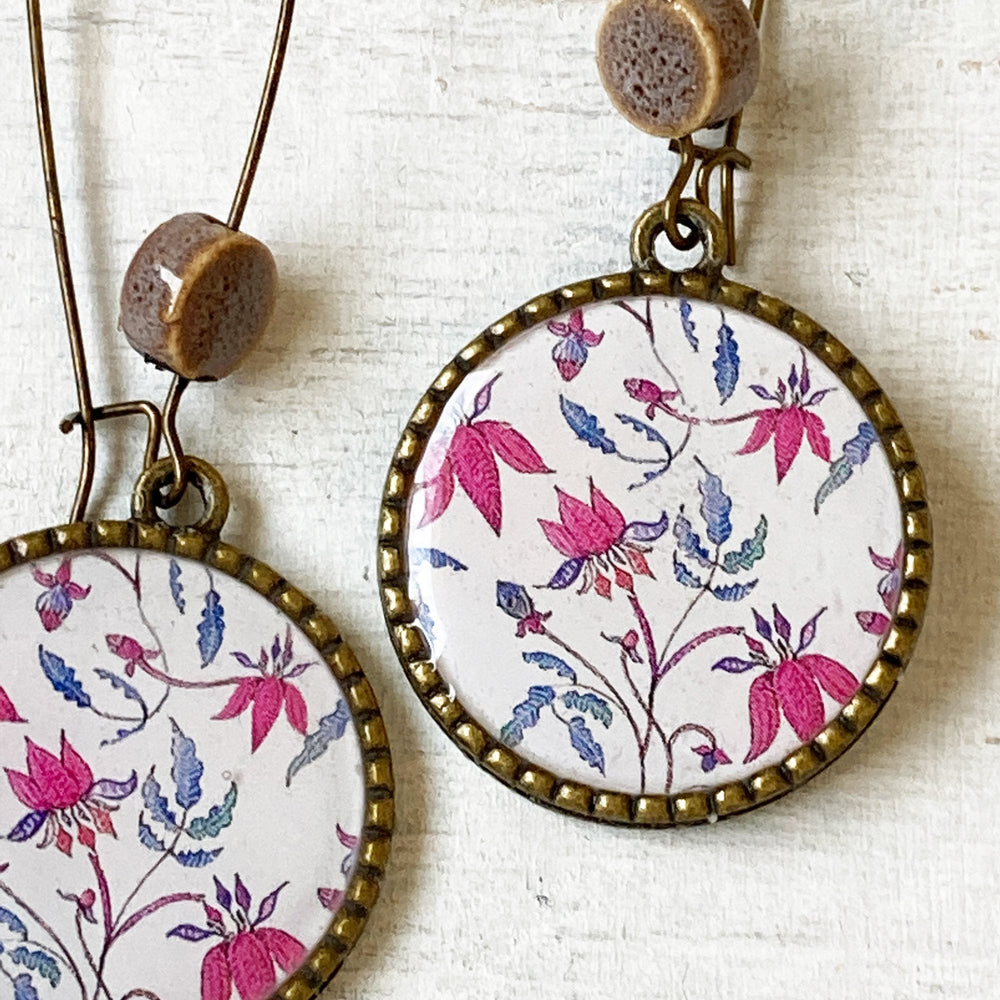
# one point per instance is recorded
(470, 457)
(153, 774)
(698, 467)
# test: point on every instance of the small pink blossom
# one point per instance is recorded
(570, 354)
(246, 956)
(792, 683)
(598, 543)
(131, 651)
(889, 587)
(789, 421)
(56, 601)
(470, 458)
(62, 794)
(268, 692)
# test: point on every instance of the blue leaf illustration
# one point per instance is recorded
(23, 988)
(63, 678)
(727, 362)
(197, 859)
(176, 587)
(149, 839)
(715, 507)
(28, 826)
(187, 769)
(584, 744)
(37, 961)
(189, 932)
(132, 695)
(589, 703)
(436, 559)
(734, 665)
(549, 662)
(106, 788)
(331, 727)
(527, 714)
(155, 801)
(13, 922)
(513, 599)
(647, 531)
(749, 552)
(690, 543)
(218, 818)
(652, 434)
(585, 426)
(733, 592)
(566, 575)
(211, 628)
(688, 324)
(120, 684)
(856, 452)
(683, 575)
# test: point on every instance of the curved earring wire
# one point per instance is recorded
(161, 423)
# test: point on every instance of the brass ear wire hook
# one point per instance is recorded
(161, 424)
(726, 158)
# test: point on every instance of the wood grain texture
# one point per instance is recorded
(431, 165)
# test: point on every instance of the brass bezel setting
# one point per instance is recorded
(686, 808)
(190, 543)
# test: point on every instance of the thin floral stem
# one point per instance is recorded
(610, 687)
(178, 682)
(116, 930)
(6, 889)
(688, 727)
(699, 640)
(89, 955)
(645, 629)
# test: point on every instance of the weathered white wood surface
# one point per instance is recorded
(431, 165)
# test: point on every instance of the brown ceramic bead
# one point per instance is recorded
(672, 67)
(197, 296)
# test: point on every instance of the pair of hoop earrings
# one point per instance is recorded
(654, 550)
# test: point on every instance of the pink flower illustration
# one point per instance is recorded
(470, 457)
(269, 691)
(8, 713)
(789, 421)
(570, 354)
(888, 588)
(62, 794)
(791, 683)
(248, 952)
(56, 601)
(597, 541)
(131, 651)
(644, 391)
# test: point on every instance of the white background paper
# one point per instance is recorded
(432, 165)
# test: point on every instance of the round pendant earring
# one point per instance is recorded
(202, 802)
(654, 547)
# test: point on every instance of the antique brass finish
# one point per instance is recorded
(705, 283)
(204, 546)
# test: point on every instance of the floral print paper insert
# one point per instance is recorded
(647, 541)
(174, 755)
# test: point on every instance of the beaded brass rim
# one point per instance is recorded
(348, 922)
(685, 808)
